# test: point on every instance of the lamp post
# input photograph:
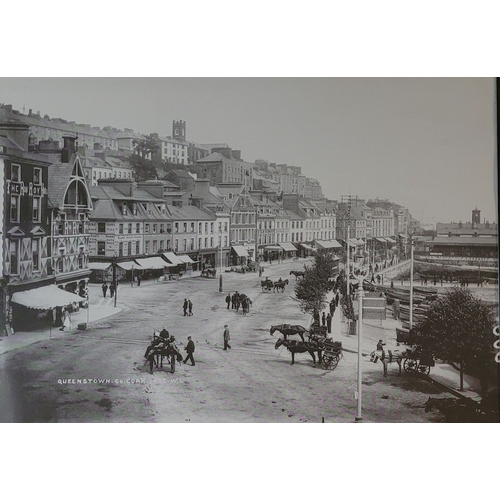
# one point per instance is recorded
(220, 274)
(412, 244)
(359, 418)
(114, 277)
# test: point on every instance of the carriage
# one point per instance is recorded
(162, 348)
(418, 361)
(267, 285)
(209, 273)
(332, 354)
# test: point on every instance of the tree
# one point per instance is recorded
(311, 290)
(458, 329)
(143, 166)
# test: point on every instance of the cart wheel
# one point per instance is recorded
(424, 369)
(326, 362)
(172, 363)
(410, 365)
(334, 362)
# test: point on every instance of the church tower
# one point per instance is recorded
(179, 130)
(476, 217)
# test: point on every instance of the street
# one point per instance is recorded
(252, 382)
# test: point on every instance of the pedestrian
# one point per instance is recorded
(138, 280)
(227, 338)
(392, 283)
(228, 300)
(337, 298)
(233, 300)
(104, 289)
(185, 306)
(190, 308)
(323, 319)
(112, 290)
(66, 321)
(189, 349)
(332, 306)
(329, 323)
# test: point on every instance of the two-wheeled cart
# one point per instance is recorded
(418, 361)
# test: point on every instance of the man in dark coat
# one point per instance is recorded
(228, 300)
(332, 307)
(323, 319)
(337, 298)
(112, 290)
(190, 308)
(329, 323)
(104, 289)
(185, 306)
(189, 349)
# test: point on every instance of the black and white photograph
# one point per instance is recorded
(235, 250)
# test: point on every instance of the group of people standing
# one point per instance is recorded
(187, 307)
(238, 300)
(111, 288)
(326, 319)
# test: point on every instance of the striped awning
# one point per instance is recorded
(45, 297)
(99, 266)
(328, 244)
(288, 247)
(172, 258)
(240, 250)
(153, 263)
(186, 259)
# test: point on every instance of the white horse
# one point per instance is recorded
(386, 358)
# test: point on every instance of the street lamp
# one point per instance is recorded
(359, 417)
(220, 274)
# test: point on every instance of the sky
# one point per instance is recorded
(425, 143)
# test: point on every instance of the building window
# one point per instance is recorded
(130, 228)
(101, 248)
(36, 209)
(137, 247)
(161, 245)
(101, 227)
(120, 229)
(206, 227)
(146, 228)
(37, 176)
(206, 242)
(146, 247)
(176, 227)
(192, 244)
(35, 254)
(185, 226)
(154, 228)
(129, 248)
(200, 227)
(155, 246)
(162, 228)
(199, 243)
(15, 173)
(14, 208)
(176, 245)
(120, 250)
(137, 228)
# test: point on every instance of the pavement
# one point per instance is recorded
(372, 331)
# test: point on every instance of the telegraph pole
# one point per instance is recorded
(359, 417)
(114, 278)
(411, 284)
(220, 274)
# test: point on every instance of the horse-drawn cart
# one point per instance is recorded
(332, 354)
(418, 361)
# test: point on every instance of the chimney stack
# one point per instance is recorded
(69, 148)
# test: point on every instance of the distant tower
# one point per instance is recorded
(476, 216)
(179, 130)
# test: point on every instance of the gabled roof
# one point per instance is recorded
(59, 177)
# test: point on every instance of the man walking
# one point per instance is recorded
(228, 300)
(332, 307)
(185, 306)
(189, 349)
(329, 323)
(227, 338)
(190, 308)
(337, 298)
(112, 290)
(104, 290)
(323, 319)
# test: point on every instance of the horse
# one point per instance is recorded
(280, 285)
(157, 353)
(297, 274)
(287, 330)
(391, 357)
(298, 347)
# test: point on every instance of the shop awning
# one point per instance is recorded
(328, 244)
(240, 250)
(172, 258)
(186, 259)
(308, 247)
(153, 263)
(288, 247)
(128, 265)
(353, 242)
(382, 240)
(99, 266)
(273, 248)
(390, 240)
(401, 235)
(360, 241)
(45, 297)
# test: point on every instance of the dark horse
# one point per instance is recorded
(289, 330)
(280, 285)
(297, 274)
(156, 354)
(461, 410)
(298, 347)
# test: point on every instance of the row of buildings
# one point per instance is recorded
(72, 211)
